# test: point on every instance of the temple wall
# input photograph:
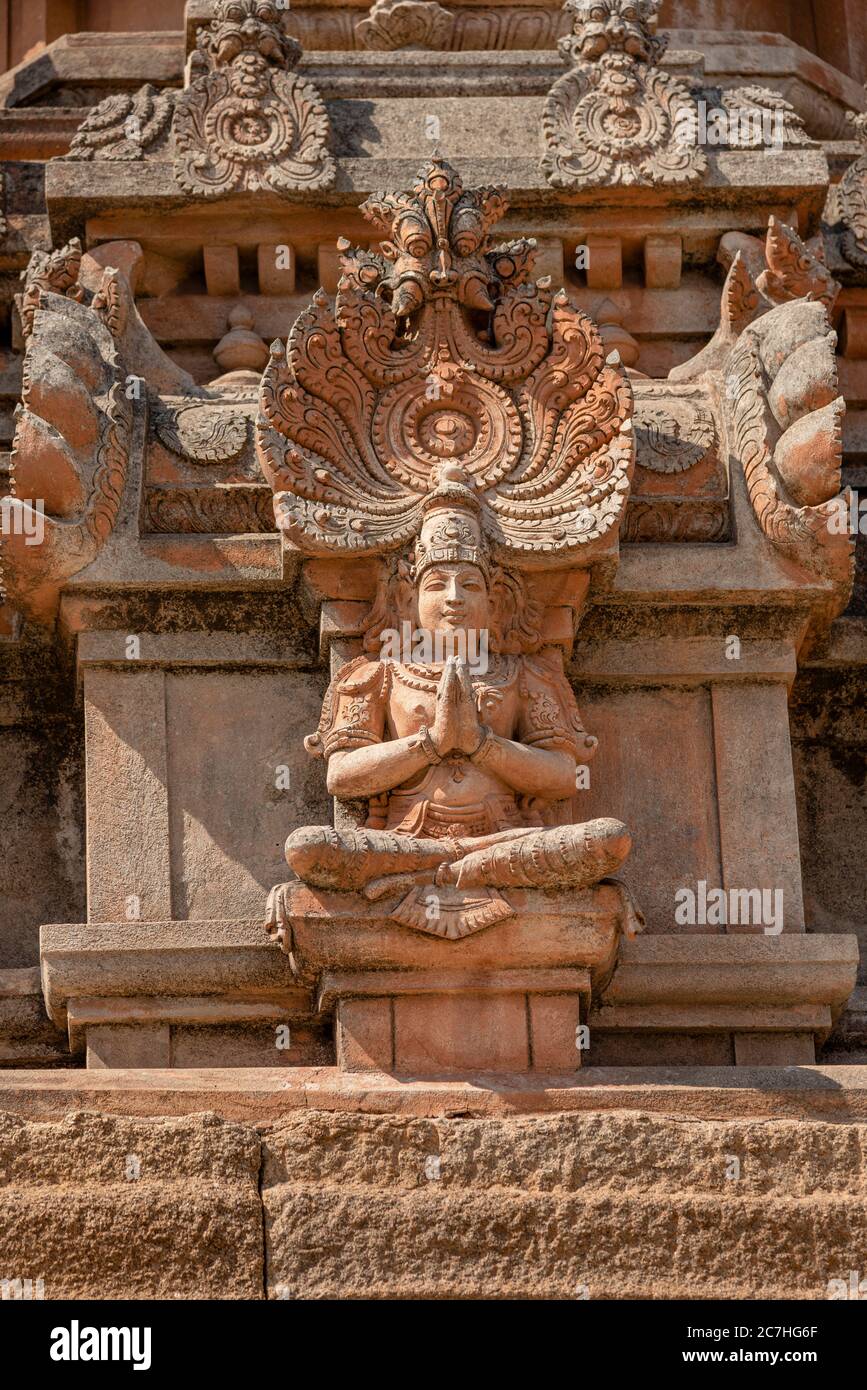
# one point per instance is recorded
(829, 743)
(42, 780)
(520, 1095)
(319, 1204)
(178, 816)
(829, 28)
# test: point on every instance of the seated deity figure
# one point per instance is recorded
(467, 760)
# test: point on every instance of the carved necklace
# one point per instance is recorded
(427, 678)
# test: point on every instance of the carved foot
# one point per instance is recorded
(277, 923)
(392, 884)
(569, 856)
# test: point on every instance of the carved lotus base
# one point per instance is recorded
(410, 995)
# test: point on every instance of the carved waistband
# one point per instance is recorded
(440, 821)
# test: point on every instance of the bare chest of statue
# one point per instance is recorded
(453, 797)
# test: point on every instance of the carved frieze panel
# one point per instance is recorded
(672, 519)
(230, 509)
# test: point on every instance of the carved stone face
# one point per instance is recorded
(251, 26)
(437, 237)
(453, 598)
(614, 26)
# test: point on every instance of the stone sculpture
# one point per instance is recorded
(442, 350)
(244, 122)
(617, 118)
(467, 776)
(431, 416)
(613, 118)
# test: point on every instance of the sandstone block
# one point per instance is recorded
(605, 1206)
(104, 1208)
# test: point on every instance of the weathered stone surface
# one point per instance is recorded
(107, 1208)
(608, 1207)
(28, 1038)
(158, 521)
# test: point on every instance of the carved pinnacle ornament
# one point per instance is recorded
(54, 271)
(245, 122)
(852, 196)
(795, 270)
(616, 117)
(440, 350)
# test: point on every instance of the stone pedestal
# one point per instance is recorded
(426, 1023)
(748, 1001)
(178, 994)
(409, 999)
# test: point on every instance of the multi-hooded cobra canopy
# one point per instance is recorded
(439, 351)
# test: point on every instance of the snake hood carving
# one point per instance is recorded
(440, 349)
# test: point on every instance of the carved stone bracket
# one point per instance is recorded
(72, 438)
(786, 418)
(773, 363)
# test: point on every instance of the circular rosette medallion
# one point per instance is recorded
(243, 130)
(470, 422)
(621, 121)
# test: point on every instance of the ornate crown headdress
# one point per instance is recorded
(450, 530)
